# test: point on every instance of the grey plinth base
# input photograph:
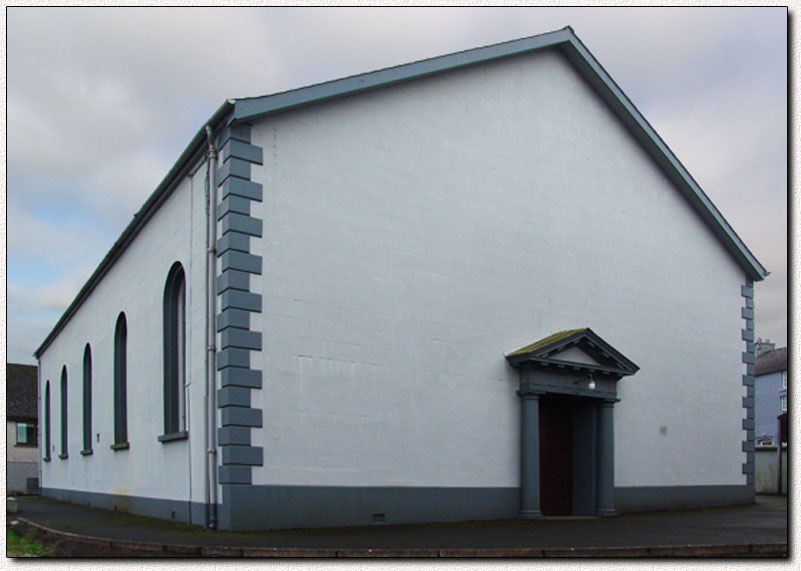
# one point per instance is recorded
(531, 515)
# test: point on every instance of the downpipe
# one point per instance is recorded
(211, 333)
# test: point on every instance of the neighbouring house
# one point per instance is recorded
(771, 391)
(22, 421)
(471, 287)
(770, 433)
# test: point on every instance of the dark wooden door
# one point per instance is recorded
(556, 456)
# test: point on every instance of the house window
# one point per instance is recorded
(174, 354)
(64, 409)
(784, 379)
(47, 422)
(26, 434)
(87, 400)
(120, 384)
(783, 403)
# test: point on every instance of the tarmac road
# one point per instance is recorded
(760, 523)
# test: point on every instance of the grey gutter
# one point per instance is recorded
(196, 146)
(569, 44)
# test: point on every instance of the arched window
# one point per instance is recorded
(64, 422)
(47, 422)
(120, 384)
(87, 400)
(174, 354)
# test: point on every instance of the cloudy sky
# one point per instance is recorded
(101, 102)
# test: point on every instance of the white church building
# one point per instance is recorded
(471, 287)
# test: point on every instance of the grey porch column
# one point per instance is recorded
(530, 454)
(606, 459)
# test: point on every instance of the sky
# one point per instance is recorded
(100, 102)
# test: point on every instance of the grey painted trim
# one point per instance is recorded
(233, 279)
(234, 167)
(233, 318)
(172, 437)
(241, 338)
(244, 455)
(236, 376)
(234, 260)
(233, 396)
(748, 381)
(234, 435)
(233, 241)
(234, 148)
(233, 203)
(275, 507)
(648, 498)
(241, 416)
(244, 300)
(234, 222)
(238, 131)
(233, 357)
(241, 188)
(571, 46)
(184, 510)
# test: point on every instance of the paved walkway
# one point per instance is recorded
(749, 530)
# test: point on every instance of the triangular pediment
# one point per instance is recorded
(576, 348)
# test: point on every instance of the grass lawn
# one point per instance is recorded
(17, 546)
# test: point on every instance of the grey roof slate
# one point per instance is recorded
(771, 362)
(21, 392)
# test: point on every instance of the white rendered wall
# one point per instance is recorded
(414, 235)
(134, 285)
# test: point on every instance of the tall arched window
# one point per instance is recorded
(87, 400)
(64, 420)
(120, 384)
(174, 354)
(47, 422)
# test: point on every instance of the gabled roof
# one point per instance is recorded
(21, 392)
(546, 352)
(245, 110)
(771, 362)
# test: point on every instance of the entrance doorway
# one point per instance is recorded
(556, 456)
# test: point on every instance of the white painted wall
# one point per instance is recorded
(414, 235)
(135, 285)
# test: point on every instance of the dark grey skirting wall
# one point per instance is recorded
(182, 511)
(655, 498)
(266, 507)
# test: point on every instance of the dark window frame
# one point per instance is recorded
(174, 355)
(47, 423)
(87, 400)
(121, 384)
(31, 434)
(64, 415)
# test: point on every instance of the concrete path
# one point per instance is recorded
(758, 529)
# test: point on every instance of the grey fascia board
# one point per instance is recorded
(151, 205)
(568, 43)
(255, 107)
(611, 93)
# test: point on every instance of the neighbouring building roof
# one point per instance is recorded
(772, 361)
(250, 109)
(21, 392)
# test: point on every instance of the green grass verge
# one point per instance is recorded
(17, 546)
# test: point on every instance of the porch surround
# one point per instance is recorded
(591, 373)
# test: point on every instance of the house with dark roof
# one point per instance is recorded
(22, 421)
(771, 391)
(314, 320)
